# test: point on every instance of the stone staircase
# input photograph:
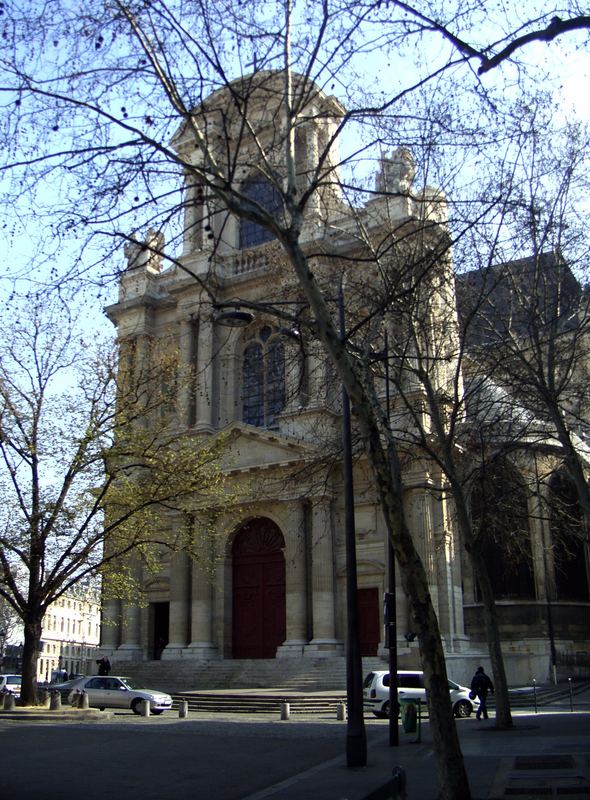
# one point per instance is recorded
(245, 702)
(285, 674)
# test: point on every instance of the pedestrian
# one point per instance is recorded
(480, 686)
(104, 666)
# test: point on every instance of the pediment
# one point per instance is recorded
(254, 448)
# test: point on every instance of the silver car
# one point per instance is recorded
(108, 691)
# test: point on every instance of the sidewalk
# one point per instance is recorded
(543, 755)
(260, 757)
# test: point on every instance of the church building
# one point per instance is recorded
(276, 585)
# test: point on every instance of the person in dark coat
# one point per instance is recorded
(104, 666)
(481, 685)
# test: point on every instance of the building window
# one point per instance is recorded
(500, 517)
(267, 196)
(263, 380)
(568, 539)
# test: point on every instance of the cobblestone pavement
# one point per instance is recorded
(260, 757)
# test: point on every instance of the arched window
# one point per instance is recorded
(263, 380)
(499, 512)
(267, 196)
(567, 536)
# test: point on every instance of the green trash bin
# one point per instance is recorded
(409, 715)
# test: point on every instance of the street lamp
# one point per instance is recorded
(2, 643)
(356, 740)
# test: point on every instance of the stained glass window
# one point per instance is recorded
(266, 195)
(263, 381)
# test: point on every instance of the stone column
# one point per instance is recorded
(179, 605)
(193, 214)
(204, 379)
(201, 646)
(110, 629)
(185, 366)
(130, 648)
(324, 640)
(295, 596)
(229, 365)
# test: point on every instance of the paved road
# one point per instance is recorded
(217, 757)
(159, 758)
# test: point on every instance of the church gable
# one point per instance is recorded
(254, 448)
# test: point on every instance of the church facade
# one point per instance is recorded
(275, 587)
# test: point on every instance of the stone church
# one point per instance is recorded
(276, 586)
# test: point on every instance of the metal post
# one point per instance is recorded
(569, 681)
(535, 693)
(391, 622)
(356, 738)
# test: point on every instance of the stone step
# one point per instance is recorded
(324, 674)
(264, 704)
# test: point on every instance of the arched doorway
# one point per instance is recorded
(259, 619)
(568, 539)
(500, 516)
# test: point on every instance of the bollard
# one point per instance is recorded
(145, 708)
(83, 700)
(535, 693)
(44, 699)
(398, 784)
(569, 681)
(9, 702)
(183, 709)
(340, 712)
(285, 711)
(55, 704)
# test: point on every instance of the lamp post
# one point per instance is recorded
(356, 740)
(391, 602)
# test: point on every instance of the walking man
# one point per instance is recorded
(481, 685)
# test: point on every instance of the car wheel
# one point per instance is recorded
(463, 708)
(379, 715)
(136, 705)
(385, 710)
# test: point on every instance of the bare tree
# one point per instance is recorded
(120, 105)
(77, 441)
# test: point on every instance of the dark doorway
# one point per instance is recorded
(159, 622)
(259, 620)
(369, 629)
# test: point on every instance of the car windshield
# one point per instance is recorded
(130, 684)
(368, 680)
(453, 685)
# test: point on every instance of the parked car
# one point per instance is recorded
(10, 683)
(110, 691)
(63, 687)
(410, 686)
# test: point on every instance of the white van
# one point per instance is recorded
(10, 683)
(410, 686)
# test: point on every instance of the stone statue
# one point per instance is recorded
(147, 254)
(397, 172)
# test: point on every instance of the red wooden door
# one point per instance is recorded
(369, 629)
(259, 624)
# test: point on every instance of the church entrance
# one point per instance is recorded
(259, 620)
(369, 629)
(159, 622)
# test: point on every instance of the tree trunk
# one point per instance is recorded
(32, 639)
(490, 614)
(385, 464)
(452, 776)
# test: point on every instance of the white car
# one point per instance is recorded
(10, 684)
(109, 691)
(410, 686)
